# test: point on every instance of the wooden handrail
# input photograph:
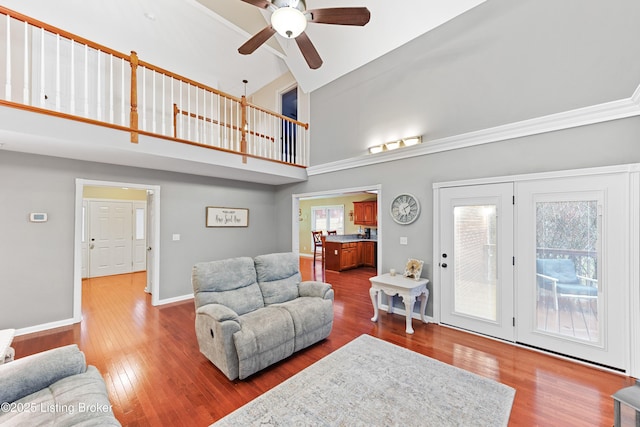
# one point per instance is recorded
(177, 111)
(188, 81)
(280, 116)
(62, 33)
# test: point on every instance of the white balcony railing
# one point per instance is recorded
(51, 71)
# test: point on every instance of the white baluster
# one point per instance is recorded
(111, 90)
(25, 89)
(197, 121)
(98, 84)
(204, 116)
(7, 84)
(172, 111)
(180, 115)
(189, 111)
(86, 80)
(123, 116)
(58, 93)
(153, 103)
(72, 78)
(42, 94)
(164, 118)
(144, 97)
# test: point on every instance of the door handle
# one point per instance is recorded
(444, 265)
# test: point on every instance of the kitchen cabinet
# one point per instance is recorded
(366, 213)
(341, 256)
(368, 254)
(349, 256)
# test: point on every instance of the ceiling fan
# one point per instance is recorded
(289, 19)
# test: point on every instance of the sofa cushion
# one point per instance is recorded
(79, 399)
(32, 373)
(278, 277)
(266, 336)
(230, 282)
(312, 319)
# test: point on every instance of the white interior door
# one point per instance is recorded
(572, 266)
(476, 258)
(110, 238)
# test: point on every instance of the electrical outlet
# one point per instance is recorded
(176, 237)
(403, 241)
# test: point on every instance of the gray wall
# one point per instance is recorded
(501, 62)
(611, 143)
(36, 260)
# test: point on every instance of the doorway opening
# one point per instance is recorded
(151, 241)
(289, 104)
(302, 217)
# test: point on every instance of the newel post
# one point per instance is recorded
(133, 118)
(244, 127)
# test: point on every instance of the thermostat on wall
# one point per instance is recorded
(37, 217)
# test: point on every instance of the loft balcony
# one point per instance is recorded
(66, 96)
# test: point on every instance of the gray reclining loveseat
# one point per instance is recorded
(251, 313)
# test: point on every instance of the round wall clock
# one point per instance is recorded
(405, 209)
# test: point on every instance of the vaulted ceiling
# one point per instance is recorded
(199, 38)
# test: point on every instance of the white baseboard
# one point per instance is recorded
(174, 299)
(45, 327)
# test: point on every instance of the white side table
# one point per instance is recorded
(408, 289)
(6, 352)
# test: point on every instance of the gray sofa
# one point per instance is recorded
(251, 313)
(54, 388)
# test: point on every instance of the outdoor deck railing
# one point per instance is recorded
(51, 71)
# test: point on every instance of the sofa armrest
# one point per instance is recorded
(29, 374)
(218, 312)
(313, 288)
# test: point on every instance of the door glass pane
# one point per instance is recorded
(140, 220)
(336, 220)
(475, 274)
(567, 269)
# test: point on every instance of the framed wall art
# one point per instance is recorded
(227, 217)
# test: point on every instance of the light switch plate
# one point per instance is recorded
(176, 237)
(403, 241)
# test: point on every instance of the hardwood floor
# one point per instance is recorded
(156, 376)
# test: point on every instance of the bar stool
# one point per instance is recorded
(317, 243)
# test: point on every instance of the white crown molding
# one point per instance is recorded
(599, 113)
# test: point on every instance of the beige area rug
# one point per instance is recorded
(370, 382)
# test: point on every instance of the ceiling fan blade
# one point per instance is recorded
(309, 51)
(256, 41)
(263, 4)
(341, 16)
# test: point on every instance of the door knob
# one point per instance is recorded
(444, 265)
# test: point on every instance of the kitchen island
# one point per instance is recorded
(349, 251)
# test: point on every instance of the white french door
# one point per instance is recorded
(476, 258)
(572, 266)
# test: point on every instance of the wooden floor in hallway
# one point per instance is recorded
(156, 375)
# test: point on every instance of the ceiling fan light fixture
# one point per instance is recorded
(289, 22)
